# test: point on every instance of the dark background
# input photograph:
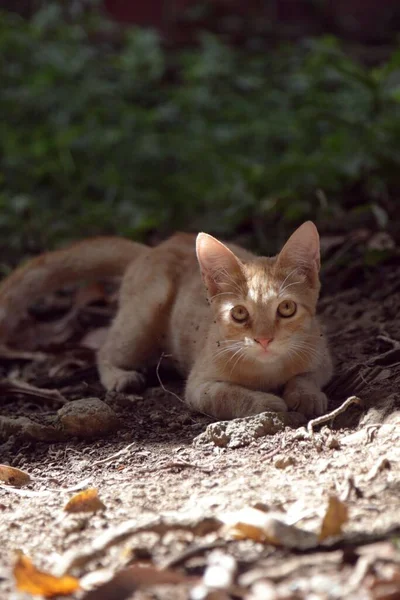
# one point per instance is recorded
(241, 119)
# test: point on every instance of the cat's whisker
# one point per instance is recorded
(303, 353)
(238, 352)
(241, 355)
(221, 294)
(225, 351)
(232, 347)
(280, 291)
(230, 279)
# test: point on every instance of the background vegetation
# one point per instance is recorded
(131, 138)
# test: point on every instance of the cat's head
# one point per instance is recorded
(264, 307)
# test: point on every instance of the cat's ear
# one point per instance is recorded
(220, 268)
(302, 248)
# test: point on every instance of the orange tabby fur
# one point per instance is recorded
(233, 369)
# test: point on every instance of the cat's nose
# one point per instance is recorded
(263, 342)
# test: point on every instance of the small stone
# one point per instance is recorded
(333, 443)
(87, 418)
(243, 431)
(282, 462)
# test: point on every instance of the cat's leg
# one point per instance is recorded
(121, 356)
(225, 400)
(303, 392)
(136, 335)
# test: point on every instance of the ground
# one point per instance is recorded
(171, 479)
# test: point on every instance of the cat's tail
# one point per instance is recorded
(87, 260)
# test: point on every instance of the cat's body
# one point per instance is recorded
(250, 343)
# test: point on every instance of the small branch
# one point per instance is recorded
(334, 413)
(183, 464)
(389, 340)
(13, 387)
(201, 526)
(161, 383)
(7, 353)
(125, 450)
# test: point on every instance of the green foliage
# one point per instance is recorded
(128, 139)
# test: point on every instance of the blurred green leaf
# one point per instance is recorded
(127, 139)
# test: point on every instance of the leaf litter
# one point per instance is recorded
(319, 520)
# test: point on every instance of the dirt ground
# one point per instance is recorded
(171, 479)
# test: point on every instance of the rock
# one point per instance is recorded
(87, 418)
(282, 461)
(241, 432)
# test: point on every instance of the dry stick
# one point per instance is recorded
(159, 378)
(389, 340)
(116, 455)
(170, 391)
(7, 353)
(15, 386)
(334, 413)
(183, 464)
(78, 558)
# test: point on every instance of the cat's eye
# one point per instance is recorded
(287, 308)
(239, 313)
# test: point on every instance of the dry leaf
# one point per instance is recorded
(124, 583)
(13, 476)
(259, 526)
(336, 515)
(31, 580)
(86, 501)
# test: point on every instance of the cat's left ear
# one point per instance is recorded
(220, 268)
(302, 248)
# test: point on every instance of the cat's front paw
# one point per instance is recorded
(310, 402)
(119, 380)
(266, 403)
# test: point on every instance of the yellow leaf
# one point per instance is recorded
(13, 476)
(86, 501)
(336, 515)
(31, 580)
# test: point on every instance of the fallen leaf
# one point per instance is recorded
(254, 524)
(29, 579)
(336, 515)
(124, 583)
(86, 501)
(13, 476)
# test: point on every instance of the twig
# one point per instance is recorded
(116, 455)
(15, 386)
(78, 558)
(196, 550)
(183, 464)
(388, 340)
(170, 391)
(334, 413)
(161, 383)
(7, 353)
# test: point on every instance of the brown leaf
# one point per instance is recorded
(86, 501)
(259, 526)
(13, 476)
(124, 583)
(31, 580)
(336, 515)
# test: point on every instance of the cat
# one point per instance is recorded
(242, 330)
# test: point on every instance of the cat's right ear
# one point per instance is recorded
(219, 267)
